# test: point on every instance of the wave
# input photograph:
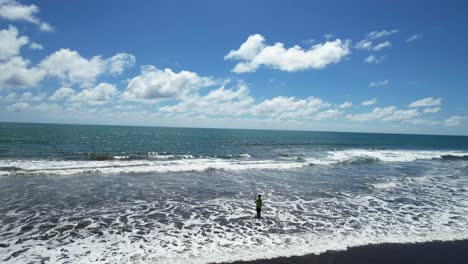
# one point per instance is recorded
(454, 157)
(378, 155)
(163, 162)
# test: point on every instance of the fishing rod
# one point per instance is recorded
(253, 187)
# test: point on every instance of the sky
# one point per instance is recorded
(358, 66)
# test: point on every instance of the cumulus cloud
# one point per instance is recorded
(220, 101)
(254, 53)
(372, 59)
(379, 83)
(432, 110)
(345, 105)
(414, 38)
(14, 73)
(381, 34)
(11, 97)
(376, 113)
(289, 107)
(153, 84)
(36, 46)
(101, 94)
(28, 96)
(62, 93)
(71, 68)
(426, 102)
(387, 114)
(327, 114)
(15, 11)
(455, 120)
(369, 102)
(18, 107)
(119, 62)
(11, 42)
(401, 115)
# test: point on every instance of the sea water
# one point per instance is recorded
(114, 194)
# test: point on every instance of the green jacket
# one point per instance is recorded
(259, 203)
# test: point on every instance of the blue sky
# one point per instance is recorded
(365, 66)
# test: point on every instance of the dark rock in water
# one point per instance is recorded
(3, 245)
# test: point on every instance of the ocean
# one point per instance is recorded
(117, 194)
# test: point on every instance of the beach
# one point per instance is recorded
(455, 252)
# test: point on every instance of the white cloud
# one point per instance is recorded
(376, 113)
(414, 37)
(373, 59)
(71, 68)
(217, 102)
(369, 102)
(11, 97)
(289, 107)
(249, 49)
(328, 36)
(10, 42)
(62, 93)
(401, 115)
(327, 114)
(46, 27)
(387, 114)
(382, 45)
(379, 83)
(381, 34)
(364, 45)
(36, 46)
(153, 84)
(119, 62)
(455, 120)
(426, 102)
(101, 94)
(254, 53)
(432, 110)
(345, 105)
(15, 11)
(369, 45)
(28, 96)
(14, 73)
(18, 107)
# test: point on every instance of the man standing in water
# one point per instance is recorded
(259, 204)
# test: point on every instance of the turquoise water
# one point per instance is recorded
(114, 194)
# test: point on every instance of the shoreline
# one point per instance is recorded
(411, 253)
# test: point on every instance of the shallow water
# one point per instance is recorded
(195, 206)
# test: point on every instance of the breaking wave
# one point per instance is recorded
(163, 162)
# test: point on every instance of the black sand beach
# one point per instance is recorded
(453, 252)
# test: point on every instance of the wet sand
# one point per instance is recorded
(424, 253)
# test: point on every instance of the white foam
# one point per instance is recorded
(60, 167)
(180, 163)
(343, 156)
(384, 185)
(222, 229)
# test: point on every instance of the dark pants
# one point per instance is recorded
(259, 212)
